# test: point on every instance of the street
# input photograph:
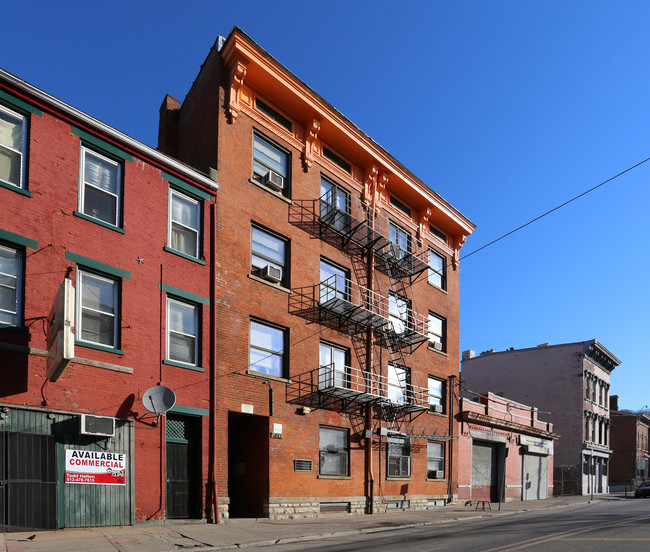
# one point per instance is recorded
(624, 525)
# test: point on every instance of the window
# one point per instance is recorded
(182, 332)
(13, 147)
(184, 224)
(436, 395)
(272, 114)
(334, 282)
(11, 286)
(400, 238)
(437, 270)
(334, 451)
(333, 369)
(437, 331)
(438, 234)
(100, 196)
(337, 160)
(435, 460)
(270, 164)
(400, 206)
(398, 381)
(267, 344)
(586, 388)
(335, 205)
(98, 309)
(268, 256)
(399, 457)
(398, 313)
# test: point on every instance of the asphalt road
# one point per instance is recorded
(622, 525)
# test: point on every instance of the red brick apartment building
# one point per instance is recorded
(305, 319)
(337, 299)
(87, 209)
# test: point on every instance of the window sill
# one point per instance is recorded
(272, 192)
(275, 286)
(443, 414)
(443, 290)
(184, 255)
(16, 189)
(434, 480)
(262, 375)
(97, 221)
(183, 365)
(104, 348)
(396, 478)
(432, 348)
(14, 329)
(319, 476)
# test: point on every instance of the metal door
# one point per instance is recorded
(183, 467)
(28, 482)
(535, 477)
(484, 471)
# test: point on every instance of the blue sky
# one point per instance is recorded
(506, 109)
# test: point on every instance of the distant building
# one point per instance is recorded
(629, 443)
(570, 383)
(505, 451)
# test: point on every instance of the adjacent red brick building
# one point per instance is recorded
(630, 448)
(337, 298)
(129, 227)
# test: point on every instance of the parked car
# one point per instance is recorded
(642, 490)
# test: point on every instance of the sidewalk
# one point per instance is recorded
(243, 533)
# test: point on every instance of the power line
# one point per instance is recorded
(555, 208)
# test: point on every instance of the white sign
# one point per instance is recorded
(95, 467)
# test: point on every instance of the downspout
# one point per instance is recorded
(452, 387)
(212, 467)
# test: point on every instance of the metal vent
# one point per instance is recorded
(302, 465)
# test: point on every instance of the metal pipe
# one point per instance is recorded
(212, 445)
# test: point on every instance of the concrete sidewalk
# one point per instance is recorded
(243, 533)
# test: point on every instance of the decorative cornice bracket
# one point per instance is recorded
(237, 76)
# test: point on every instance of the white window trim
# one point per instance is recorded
(171, 222)
(83, 184)
(269, 352)
(442, 338)
(80, 308)
(23, 147)
(438, 400)
(195, 335)
(18, 313)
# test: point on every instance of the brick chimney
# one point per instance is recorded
(613, 402)
(168, 126)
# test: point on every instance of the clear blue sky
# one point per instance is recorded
(506, 109)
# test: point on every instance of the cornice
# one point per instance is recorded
(240, 50)
(475, 417)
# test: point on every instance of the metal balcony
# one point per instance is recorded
(359, 386)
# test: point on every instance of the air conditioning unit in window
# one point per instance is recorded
(394, 251)
(436, 474)
(437, 345)
(435, 408)
(272, 274)
(101, 426)
(274, 180)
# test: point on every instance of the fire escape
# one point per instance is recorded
(386, 322)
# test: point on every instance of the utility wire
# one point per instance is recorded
(555, 208)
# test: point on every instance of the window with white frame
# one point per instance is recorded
(401, 238)
(333, 366)
(182, 332)
(268, 256)
(11, 286)
(398, 313)
(435, 460)
(270, 164)
(334, 282)
(13, 147)
(398, 381)
(437, 270)
(398, 457)
(100, 195)
(335, 205)
(437, 332)
(334, 451)
(184, 232)
(436, 395)
(266, 350)
(97, 309)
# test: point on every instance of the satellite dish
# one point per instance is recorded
(159, 399)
